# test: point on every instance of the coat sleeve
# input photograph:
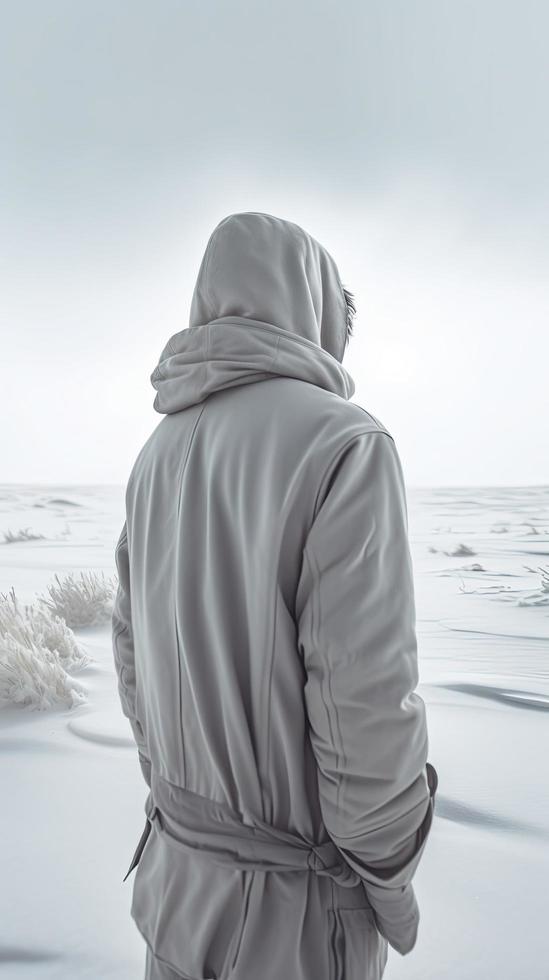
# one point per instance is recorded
(356, 630)
(123, 650)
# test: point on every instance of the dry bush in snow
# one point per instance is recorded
(87, 601)
(25, 534)
(462, 551)
(541, 596)
(37, 651)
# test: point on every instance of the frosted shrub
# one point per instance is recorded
(541, 596)
(36, 652)
(462, 551)
(53, 633)
(28, 676)
(87, 601)
(25, 534)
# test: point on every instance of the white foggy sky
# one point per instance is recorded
(409, 138)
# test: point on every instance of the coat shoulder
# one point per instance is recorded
(360, 419)
(319, 419)
(341, 419)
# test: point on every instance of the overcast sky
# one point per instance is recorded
(408, 137)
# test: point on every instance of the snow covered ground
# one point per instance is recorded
(73, 794)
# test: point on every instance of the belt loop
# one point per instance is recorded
(151, 808)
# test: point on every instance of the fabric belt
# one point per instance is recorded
(191, 822)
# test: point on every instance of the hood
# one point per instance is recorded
(268, 302)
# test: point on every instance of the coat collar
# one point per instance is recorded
(233, 350)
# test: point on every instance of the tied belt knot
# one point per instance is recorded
(326, 859)
(189, 822)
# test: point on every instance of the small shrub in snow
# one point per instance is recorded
(491, 590)
(25, 534)
(462, 551)
(87, 601)
(541, 596)
(52, 632)
(28, 676)
(533, 528)
(36, 652)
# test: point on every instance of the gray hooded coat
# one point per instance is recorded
(264, 636)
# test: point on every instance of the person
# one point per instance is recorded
(264, 636)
